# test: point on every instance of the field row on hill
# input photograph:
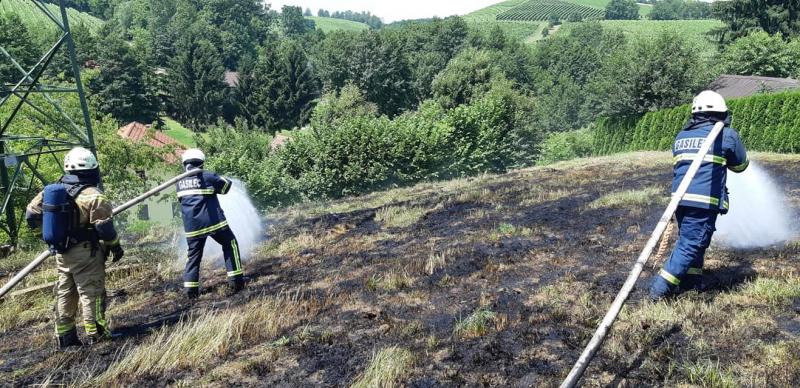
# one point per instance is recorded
(544, 9)
(332, 24)
(37, 20)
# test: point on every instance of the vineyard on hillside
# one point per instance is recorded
(543, 9)
(35, 19)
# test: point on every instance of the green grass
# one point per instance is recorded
(331, 24)
(644, 10)
(475, 325)
(179, 133)
(694, 30)
(489, 14)
(36, 20)
(629, 198)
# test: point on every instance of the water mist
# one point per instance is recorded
(760, 215)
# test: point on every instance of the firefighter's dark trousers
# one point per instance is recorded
(230, 250)
(684, 269)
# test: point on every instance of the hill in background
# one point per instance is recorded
(332, 24)
(36, 20)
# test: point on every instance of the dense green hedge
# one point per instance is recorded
(768, 122)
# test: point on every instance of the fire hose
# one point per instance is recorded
(127, 205)
(602, 330)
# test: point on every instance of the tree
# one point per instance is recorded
(308, 12)
(667, 72)
(292, 20)
(622, 10)
(199, 95)
(679, 9)
(17, 41)
(372, 60)
(121, 89)
(743, 16)
(277, 93)
(242, 25)
(469, 75)
(334, 108)
(760, 54)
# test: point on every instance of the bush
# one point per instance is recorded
(566, 145)
(766, 122)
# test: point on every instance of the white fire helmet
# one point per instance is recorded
(193, 154)
(709, 101)
(80, 159)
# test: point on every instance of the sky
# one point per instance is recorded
(391, 10)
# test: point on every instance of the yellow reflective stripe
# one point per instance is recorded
(91, 328)
(669, 277)
(98, 313)
(235, 273)
(236, 259)
(64, 329)
(227, 185)
(701, 199)
(89, 197)
(113, 242)
(708, 158)
(741, 167)
(207, 230)
(191, 284)
(725, 205)
(187, 193)
(695, 271)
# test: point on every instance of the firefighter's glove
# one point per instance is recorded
(116, 253)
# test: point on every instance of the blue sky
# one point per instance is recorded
(392, 10)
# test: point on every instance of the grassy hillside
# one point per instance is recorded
(486, 18)
(644, 9)
(331, 24)
(35, 19)
(540, 10)
(491, 281)
(694, 30)
(179, 133)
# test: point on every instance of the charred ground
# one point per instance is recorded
(494, 280)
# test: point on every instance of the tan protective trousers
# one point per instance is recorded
(81, 278)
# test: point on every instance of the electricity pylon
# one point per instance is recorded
(28, 97)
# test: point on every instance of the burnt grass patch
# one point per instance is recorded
(493, 281)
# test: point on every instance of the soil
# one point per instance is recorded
(534, 342)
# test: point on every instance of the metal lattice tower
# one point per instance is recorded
(25, 152)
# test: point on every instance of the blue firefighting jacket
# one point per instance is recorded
(202, 214)
(707, 190)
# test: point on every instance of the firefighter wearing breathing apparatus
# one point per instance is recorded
(707, 196)
(75, 220)
(203, 217)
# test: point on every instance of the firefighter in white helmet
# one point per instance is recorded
(707, 196)
(203, 217)
(75, 219)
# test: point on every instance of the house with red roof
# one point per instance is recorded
(139, 132)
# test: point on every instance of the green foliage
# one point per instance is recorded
(471, 73)
(666, 72)
(761, 54)
(680, 9)
(359, 153)
(36, 20)
(278, 91)
(17, 41)
(198, 92)
(566, 146)
(293, 22)
(765, 123)
(122, 89)
(334, 108)
(622, 10)
(547, 10)
(743, 16)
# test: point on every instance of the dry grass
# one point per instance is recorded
(197, 342)
(399, 216)
(392, 281)
(22, 310)
(387, 369)
(630, 198)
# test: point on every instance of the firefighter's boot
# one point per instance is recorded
(69, 339)
(235, 285)
(661, 288)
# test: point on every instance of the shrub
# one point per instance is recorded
(566, 145)
(766, 122)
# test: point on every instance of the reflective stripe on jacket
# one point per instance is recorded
(707, 190)
(202, 214)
